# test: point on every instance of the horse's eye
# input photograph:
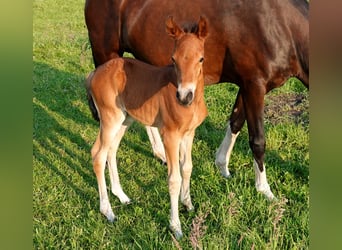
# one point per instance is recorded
(173, 60)
(201, 60)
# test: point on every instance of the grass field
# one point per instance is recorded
(228, 213)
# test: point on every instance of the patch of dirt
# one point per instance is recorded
(285, 107)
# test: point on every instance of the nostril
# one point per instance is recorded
(177, 95)
(189, 97)
(186, 98)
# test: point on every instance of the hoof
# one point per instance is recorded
(161, 157)
(122, 196)
(107, 211)
(269, 195)
(126, 201)
(110, 217)
(189, 208)
(223, 169)
(177, 233)
(188, 205)
(225, 173)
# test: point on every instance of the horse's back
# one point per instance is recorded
(246, 37)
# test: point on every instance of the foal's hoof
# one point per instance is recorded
(176, 230)
(177, 233)
(161, 157)
(125, 200)
(111, 217)
(108, 212)
(189, 208)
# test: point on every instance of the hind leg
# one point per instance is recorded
(235, 124)
(254, 109)
(112, 164)
(156, 142)
(103, 142)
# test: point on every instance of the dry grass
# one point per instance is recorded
(198, 229)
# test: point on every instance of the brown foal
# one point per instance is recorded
(170, 98)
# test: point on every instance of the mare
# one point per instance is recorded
(170, 98)
(256, 44)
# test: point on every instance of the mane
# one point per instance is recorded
(190, 28)
(302, 6)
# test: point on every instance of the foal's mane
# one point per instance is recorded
(190, 28)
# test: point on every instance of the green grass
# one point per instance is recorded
(228, 213)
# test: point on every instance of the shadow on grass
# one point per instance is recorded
(54, 91)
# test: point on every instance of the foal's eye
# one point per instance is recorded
(201, 60)
(173, 60)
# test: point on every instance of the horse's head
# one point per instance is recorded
(187, 57)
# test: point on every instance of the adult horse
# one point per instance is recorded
(256, 44)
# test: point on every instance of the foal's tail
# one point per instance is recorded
(91, 103)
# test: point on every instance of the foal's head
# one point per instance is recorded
(187, 57)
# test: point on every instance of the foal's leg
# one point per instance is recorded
(235, 124)
(104, 140)
(156, 142)
(186, 169)
(112, 165)
(172, 143)
(254, 109)
(96, 146)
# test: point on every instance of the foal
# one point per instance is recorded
(170, 98)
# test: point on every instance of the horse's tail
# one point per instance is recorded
(91, 103)
(302, 38)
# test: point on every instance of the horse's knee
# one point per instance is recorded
(99, 164)
(175, 184)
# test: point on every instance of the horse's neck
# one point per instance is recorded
(170, 74)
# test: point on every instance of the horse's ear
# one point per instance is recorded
(202, 27)
(172, 28)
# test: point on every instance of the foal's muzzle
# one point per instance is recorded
(185, 97)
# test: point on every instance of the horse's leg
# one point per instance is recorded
(112, 164)
(186, 169)
(172, 145)
(104, 140)
(96, 146)
(234, 126)
(103, 30)
(156, 142)
(254, 110)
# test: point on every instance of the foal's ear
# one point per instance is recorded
(172, 28)
(202, 27)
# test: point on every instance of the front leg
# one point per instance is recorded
(172, 145)
(254, 109)
(186, 169)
